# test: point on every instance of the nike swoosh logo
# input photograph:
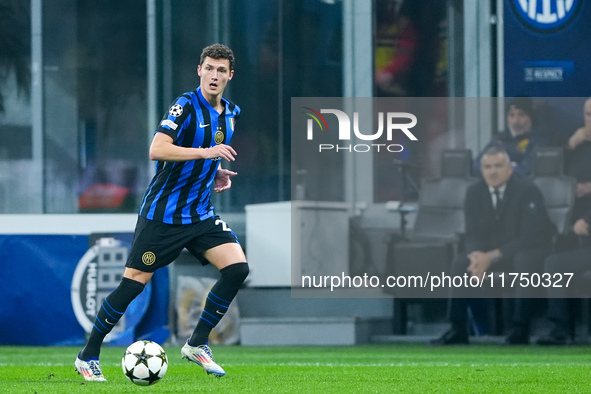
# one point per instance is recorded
(108, 322)
(220, 313)
(204, 125)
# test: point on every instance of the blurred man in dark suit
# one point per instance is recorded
(578, 162)
(576, 261)
(507, 229)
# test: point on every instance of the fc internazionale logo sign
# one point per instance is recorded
(546, 16)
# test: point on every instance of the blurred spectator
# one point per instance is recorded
(507, 229)
(575, 261)
(410, 38)
(520, 138)
(578, 162)
(398, 31)
(578, 165)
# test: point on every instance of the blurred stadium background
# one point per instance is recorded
(84, 83)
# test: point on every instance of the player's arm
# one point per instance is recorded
(163, 149)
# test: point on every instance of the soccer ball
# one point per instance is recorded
(144, 363)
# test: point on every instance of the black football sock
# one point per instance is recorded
(218, 301)
(111, 311)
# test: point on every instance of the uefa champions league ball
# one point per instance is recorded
(144, 363)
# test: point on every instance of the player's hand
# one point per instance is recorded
(581, 135)
(479, 263)
(222, 151)
(222, 180)
(581, 227)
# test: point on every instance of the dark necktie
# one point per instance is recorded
(499, 201)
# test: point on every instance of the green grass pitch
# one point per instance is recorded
(360, 369)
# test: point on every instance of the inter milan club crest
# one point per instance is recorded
(219, 137)
(546, 16)
(149, 258)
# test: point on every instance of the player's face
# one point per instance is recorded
(215, 74)
(518, 121)
(496, 170)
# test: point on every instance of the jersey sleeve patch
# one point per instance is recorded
(169, 123)
(175, 110)
(176, 115)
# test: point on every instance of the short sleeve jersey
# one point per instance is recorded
(180, 192)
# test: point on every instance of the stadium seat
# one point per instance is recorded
(558, 190)
(436, 232)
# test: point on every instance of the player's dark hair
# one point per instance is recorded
(495, 150)
(218, 51)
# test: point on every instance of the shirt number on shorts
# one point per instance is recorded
(224, 225)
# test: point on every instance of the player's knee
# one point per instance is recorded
(242, 271)
(138, 276)
(236, 273)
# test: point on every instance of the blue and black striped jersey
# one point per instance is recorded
(180, 192)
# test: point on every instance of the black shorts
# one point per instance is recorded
(157, 244)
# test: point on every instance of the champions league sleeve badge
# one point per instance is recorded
(175, 110)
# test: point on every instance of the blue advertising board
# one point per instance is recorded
(546, 48)
(53, 284)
